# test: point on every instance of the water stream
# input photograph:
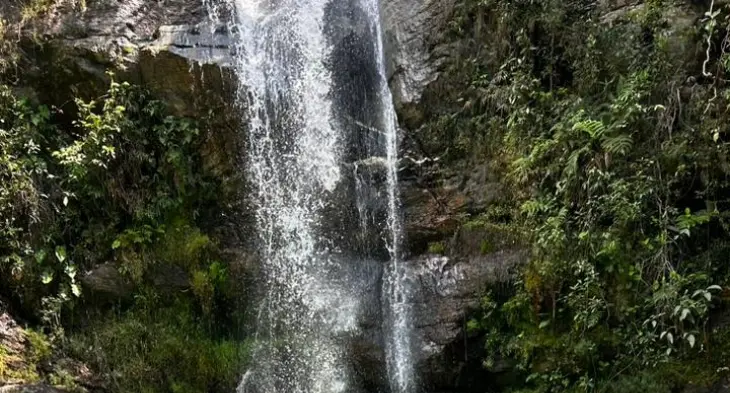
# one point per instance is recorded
(321, 157)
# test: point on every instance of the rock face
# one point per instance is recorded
(179, 52)
(413, 30)
(170, 46)
(446, 290)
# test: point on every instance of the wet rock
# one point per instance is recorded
(446, 291)
(413, 32)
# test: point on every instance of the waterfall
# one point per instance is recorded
(396, 290)
(321, 159)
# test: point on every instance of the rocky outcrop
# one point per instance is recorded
(165, 45)
(446, 291)
(28, 361)
(413, 44)
(106, 283)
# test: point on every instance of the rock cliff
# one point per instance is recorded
(182, 54)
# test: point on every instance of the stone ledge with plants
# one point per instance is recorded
(606, 125)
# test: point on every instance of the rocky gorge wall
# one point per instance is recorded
(182, 56)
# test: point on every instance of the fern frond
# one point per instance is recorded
(619, 144)
(571, 167)
(593, 128)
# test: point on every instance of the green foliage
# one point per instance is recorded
(617, 158)
(116, 185)
(160, 347)
(436, 248)
(120, 181)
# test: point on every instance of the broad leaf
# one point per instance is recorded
(61, 253)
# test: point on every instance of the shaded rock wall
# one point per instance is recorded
(415, 46)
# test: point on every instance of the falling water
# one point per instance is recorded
(298, 148)
(396, 290)
(294, 165)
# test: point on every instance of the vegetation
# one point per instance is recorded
(613, 132)
(121, 181)
(160, 347)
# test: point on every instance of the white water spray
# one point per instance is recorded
(294, 162)
(396, 288)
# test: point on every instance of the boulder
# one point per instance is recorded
(106, 280)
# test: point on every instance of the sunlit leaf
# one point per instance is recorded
(61, 253)
(47, 276)
(76, 289)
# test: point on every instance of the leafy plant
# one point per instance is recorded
(620, 175)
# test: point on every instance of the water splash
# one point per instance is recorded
(294, 163)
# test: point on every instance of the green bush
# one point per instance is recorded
(160, 348)
(619, 170)
(120, 181)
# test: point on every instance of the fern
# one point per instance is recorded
(571, 168)
(619, 144)
(594, 128)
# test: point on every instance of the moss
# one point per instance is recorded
(40, 347)
(35, 8)
(204, 290)
(17, 368)
(486, 247)
(63, 379)
(4, 362)
(436, 248)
